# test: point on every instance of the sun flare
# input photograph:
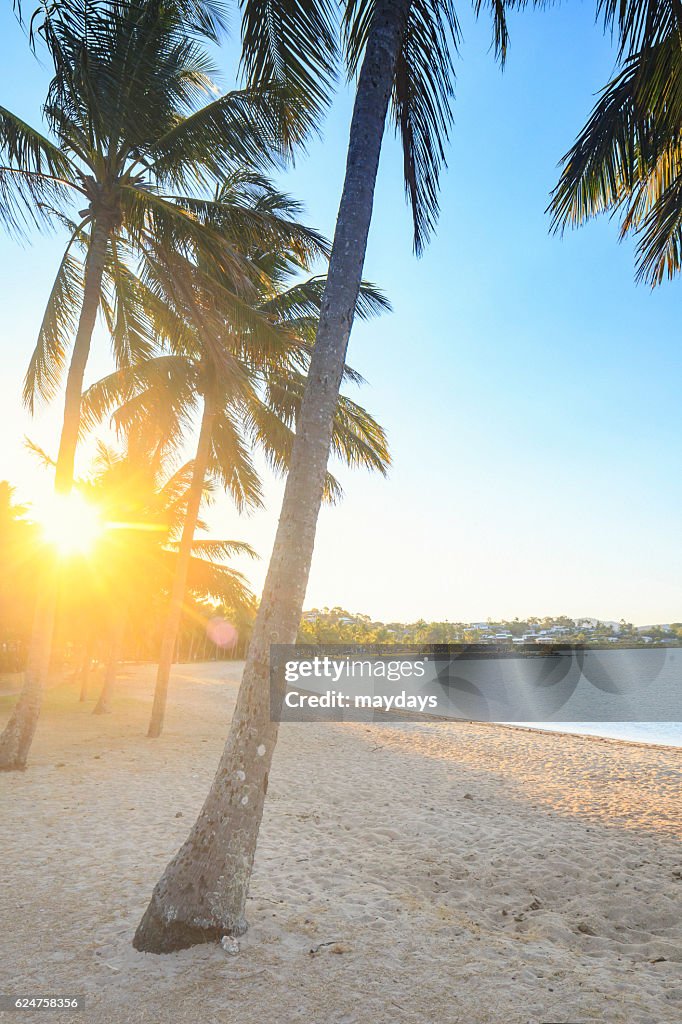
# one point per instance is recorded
(71, 524)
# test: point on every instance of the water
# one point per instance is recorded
(624, 693)
(667, 733)
(629, 694)
(642, 674)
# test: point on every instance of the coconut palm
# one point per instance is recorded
(627, 160)
(134, 136)
(134, 132)
(143, 503)
(402, 51)
(248, 391)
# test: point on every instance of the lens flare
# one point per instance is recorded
(71, 524)
(221, 632)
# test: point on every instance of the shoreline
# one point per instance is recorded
(404, 872)
(64, 681)
(584, 735)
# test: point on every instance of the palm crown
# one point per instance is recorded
(137, 133)
(292, 54)
(142, 499)
(243, 361)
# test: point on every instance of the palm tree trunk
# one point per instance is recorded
(202, 894)
(103, 705)
(17, 735)
(172, 624)
(15, 741)
(85, 667)
(92, 292)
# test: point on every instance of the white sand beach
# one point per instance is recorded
(448, 873)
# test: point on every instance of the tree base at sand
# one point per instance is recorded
(202, 893)
(15, 742)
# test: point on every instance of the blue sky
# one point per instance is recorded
(530, 390)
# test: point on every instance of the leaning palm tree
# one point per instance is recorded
(402, 49)
(133, 132)
(627, 160)
(249, 393)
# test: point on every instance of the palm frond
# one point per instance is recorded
(641, 24)
(175, 488)
(422, 96)
(292, 44)
(240, 128)
(60, 320)
(304, 299)
(34, 175)
(209, 18)
(628, 159)
(659, 250)
(498, 13)
(357, 438)
(252, 227)
(332, 493)
(218, 550)
(220, 582)
(233, 328)
(46, 461)
(127, 312)
(26, 149)
(275, 437)
(232, 463)
(155, 223)
(611, 155)
(160, 391)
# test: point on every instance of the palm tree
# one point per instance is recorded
(123, 583)
(144, 505)
(249, 385)
(627, 160)
(125, 108)
(136, 132)
(402, 50)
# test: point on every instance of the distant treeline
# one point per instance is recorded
(337, 625)
(80, 637)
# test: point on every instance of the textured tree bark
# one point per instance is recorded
(103, 705)
(15, 741)
(202, 893)
(172, 624)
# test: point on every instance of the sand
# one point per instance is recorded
(405, 873)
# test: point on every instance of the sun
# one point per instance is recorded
(71, 524)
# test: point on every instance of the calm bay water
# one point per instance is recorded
(658, 670)
(623, 693)
(668, 733)
(652, 675)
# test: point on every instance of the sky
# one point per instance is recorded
(529, 387)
